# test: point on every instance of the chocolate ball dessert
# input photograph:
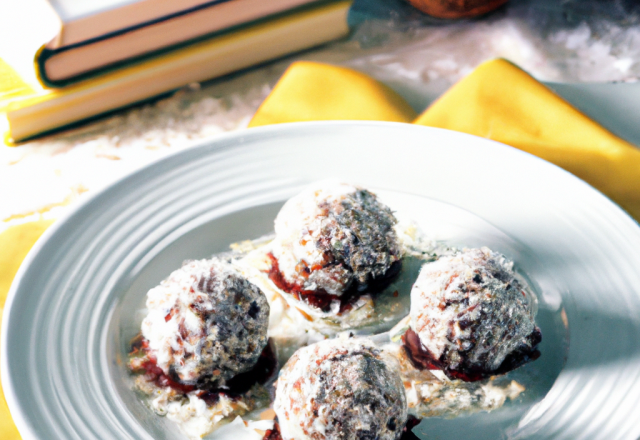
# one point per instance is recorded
(341, 389)
(471, 316)
(334, 240)
(205, 323)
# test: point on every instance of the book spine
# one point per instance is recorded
(46, 54)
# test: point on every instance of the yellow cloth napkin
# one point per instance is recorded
(316, 92)
(497, 101)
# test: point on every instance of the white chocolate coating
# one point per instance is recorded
(205, 322)
(341, 389)
(298, 227)
(332, 235)
(470, 310)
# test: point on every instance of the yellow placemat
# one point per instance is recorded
(11, 85)
(15, 244)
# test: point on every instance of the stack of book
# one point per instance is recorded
(62, 61)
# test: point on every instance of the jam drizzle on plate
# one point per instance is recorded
(264, 370)
(422, 359)
(322, 300)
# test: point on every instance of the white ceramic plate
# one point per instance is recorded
(72, 307)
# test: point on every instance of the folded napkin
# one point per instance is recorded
(497, 101)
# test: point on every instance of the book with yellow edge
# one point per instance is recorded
(75, 39)
(31, 109)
